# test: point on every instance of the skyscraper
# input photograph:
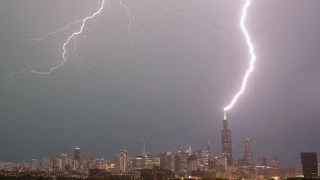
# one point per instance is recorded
(263, 161)
(183, 161)
(57, 164)
(188, 149)
(209, 148)
(226, 147)
(77, 154)
(309, 162)
(177, 163)
(192, 163)
(121, 161)
(167, 161)
(248, 153)
(205, 157)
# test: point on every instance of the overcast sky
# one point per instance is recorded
(167, 84)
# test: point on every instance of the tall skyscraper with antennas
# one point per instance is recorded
(226, 146)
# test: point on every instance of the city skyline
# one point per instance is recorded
(226, 152)
(185, 163)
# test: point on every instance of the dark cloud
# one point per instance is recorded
(169, 88)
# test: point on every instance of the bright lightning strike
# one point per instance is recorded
(252, 57)
(72, 36)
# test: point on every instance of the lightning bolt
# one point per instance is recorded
(131, 18)
(23, 70)
(17, 72)
(73, 38)
(132, 21)
(252, 57)
(45, 36)
(69, 39)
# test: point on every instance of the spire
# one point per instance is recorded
(225, 122)
(143, 147)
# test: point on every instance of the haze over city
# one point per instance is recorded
(164, 79)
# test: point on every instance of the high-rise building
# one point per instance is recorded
(148, 161)
(34, 163)
(64, 158)
(177, 163)
(220, 163)
(183, 161)
(263, 161)
(138, 162)
(209, 148)
(248, 153)
(309, 162)
(204, 158)
(77, 154)
(275, 163)
(156, 161)
(121, 161)
(167, 161)
(187, 149)
(192, 163)
(226, 145)
(163, 160)
(57, 164)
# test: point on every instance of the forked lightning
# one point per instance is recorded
(73, 35)
(252, 57)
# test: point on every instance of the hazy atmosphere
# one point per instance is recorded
(165, 78)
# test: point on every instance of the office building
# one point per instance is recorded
(121, 161)
(309, 163)
(226, 145)
(77, 154)
(248, 153)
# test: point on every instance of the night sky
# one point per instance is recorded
(167, 85)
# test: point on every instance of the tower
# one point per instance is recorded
(248, 153)
(226, 147)
(77, 154)
(143, 147)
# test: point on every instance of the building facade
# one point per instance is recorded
(77, 154)
(248, 153)
(226, 145)
(309, 163)
(121, 161)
